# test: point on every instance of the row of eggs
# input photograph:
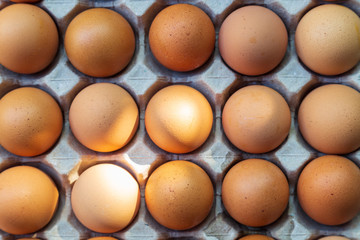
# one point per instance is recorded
(252, 40)
(179, 195)
(104, 117)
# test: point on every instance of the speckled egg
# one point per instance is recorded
(179, 195)
(182, 37)
(327, 39)
(104, 117)
(30, 121)
(328, 190)
(255, 192)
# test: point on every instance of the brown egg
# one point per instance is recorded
(253, 40)
(104, 117)
(28, 199)
(178, 119)
(182, 37)
(25, 1)
(256, 237)
(28, 239)
(255, 192)
(329, 119)
(327, 39)
(105, 198)
(102, 238)
(99, 42)
(28, 38)
(256, 119)
(334, 238)
(179, 195)
(30, 121)
(328, 190)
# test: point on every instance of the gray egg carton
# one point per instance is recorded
(143, 77)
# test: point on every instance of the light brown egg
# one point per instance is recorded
(102, 238)
(327, 39)
(328, 190)
(30, 121)
(182, 37)
(334, 238)
(99, 42)
(179, 195)
(253, 40)
(255, 192)
(256, 119)
(28, 239)
(28, 199)
(28, 38)
(178, 119)
(329, 119)
(25, 1)
(256, 237)
(104, 117)
(105, 198)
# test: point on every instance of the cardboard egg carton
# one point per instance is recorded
(142, 79)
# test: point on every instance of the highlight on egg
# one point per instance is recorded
(179, 195)
(99, 42)
(31, 121)
(182, 37)
(105, 198)
(255, 192)
(29, 38)
(178, 119)
(256, 119)
(104, 117)
(253, 40)
(328, 190)
(329, 119)
(327, 39)
(28, 199)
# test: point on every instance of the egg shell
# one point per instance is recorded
(29, 38)
(256, 237)
(28, 199)
(104, 117)
(328, 190)
(178, 119)
(182, 37)
(329, 119)
(30, 121)
(179, 195)
(256, 119)
(105, 198)
(25, 1)
(255, 192)
(99, 42)
(327, 39)
(253, 40)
